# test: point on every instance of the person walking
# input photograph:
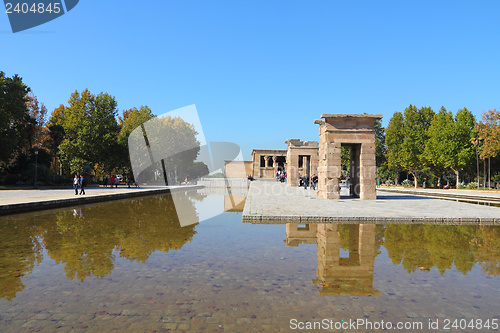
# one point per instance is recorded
(76, 181)
(83, 183)
(314, 181)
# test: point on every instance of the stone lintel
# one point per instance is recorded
(351, 123)
(297, 143)
(329, 115)
(269, 151)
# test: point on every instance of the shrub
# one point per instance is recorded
(389, 182)
(216, 175)
(461, 185)
(472, 185)
(11, 179)
(407, 183)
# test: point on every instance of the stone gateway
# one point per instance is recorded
(358, 132)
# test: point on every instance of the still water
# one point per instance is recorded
(128, 266)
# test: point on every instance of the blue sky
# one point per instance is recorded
(260, 72)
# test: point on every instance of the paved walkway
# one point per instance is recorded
(465, 195)
(272, 202)
(19, 201)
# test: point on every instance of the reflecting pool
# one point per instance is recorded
(129, 266)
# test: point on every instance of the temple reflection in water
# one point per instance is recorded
(345, 259)
(87, 240)
(234, 192)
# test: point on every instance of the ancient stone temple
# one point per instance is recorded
(302, 159)
(357, 132)
(267, 162)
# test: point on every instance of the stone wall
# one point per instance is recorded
(238, 169)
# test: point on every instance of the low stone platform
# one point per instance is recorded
(273, 202)
(21, 201)
(483, 197)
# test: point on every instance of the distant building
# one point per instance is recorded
(302, 158)
(238, 169)
(267, 162)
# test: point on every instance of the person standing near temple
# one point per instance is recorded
(76, 181)
(314, 181)
(83, 183)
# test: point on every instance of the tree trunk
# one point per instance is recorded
(415, 178)
(489, 172)
(458, 178)
(484, 172)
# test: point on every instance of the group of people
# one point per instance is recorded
(112, 181)
(79, 182)
(306, 181)
(281, 176)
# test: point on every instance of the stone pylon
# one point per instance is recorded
(302, 158)
(358, 132)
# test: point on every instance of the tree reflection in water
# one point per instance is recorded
(415, 247)
(84, 240)
(440, 246)
(20, 251)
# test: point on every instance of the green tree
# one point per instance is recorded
(13, 115)
(380, 146)
(449, 146)
(37, 113)
(415, 131)
(91, 130)
(173, 145)
(394, 142)
(56, 134)
(345, 158)
(57, 116)
(463, 153)
(488, 130)
(196, 170)
(130, 120)
(439, 147)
